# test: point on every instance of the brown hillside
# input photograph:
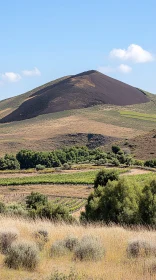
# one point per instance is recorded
(143, 146)
(80, 91)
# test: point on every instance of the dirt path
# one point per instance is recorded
(135, 171)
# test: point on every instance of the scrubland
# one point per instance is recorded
(116, 264)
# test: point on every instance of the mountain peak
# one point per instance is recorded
(83, 90)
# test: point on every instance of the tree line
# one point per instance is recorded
(26, 159)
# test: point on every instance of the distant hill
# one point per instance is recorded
(86, 109)
(72, 92)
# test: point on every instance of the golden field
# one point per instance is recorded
(115, 265)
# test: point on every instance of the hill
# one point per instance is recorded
(73, 92)
(93, 126)
(143, 146)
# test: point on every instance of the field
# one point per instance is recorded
(115, 265)
(71, 188)
(141, 116)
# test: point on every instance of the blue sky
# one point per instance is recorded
(42, 40)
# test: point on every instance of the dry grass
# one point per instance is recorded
(40, 134)
(18, 193)
(114, 266)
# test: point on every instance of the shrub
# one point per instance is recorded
(141, 248)
(89, 248)
(6, 239)
(150, 163)
(41, 237)
(22, 255)
(71, 276)
(115, 149)
(2, 207)
(66, 166)
(40, 167)
(139, 162)
(151, 266)
(58, 249)
(104, 176)
(115, 162)
(118, 202)
(147, 207)
(16, 209)
(71, 242)
(9, 162)
(35, 199)
(54, 212)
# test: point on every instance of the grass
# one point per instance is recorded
(71, 178)
(115, 265)
(140, 116)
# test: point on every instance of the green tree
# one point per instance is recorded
(35, 199)
(115, 149)
(118, 202)
(148, 204)
(104, 176)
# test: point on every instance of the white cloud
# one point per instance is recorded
(10, 77)
(124, 68)
(106, 69)
(134, 53)
(31, 73)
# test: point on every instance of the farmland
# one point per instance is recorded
(86, 177)
(70, 189)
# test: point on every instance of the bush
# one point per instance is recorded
(22, 255)
(16, 209)
(151, 266)
(7, 237)
(147, 207)
(66, 166)
(115, 149)
(104, 176)
(89, 249)
(40, 167)
(115, 162)
(58, 249)
(150, 163)
(2, 207)
(35, 199)
(54, 212)
(118, 202)
(138, 162)
(71, 242)
(9, 162)
(41, 237)
(71, 276)
(141, 248)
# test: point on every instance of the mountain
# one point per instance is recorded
(72, 92)
(86, 109)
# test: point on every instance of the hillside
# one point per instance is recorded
(93, 126)
(73, 92)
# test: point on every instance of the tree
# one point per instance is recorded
(104, 176)
(9, 162)
(35, 199)
(115, 149)
(148, 204)
(118, 202)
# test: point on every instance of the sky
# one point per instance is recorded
(41, 40)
